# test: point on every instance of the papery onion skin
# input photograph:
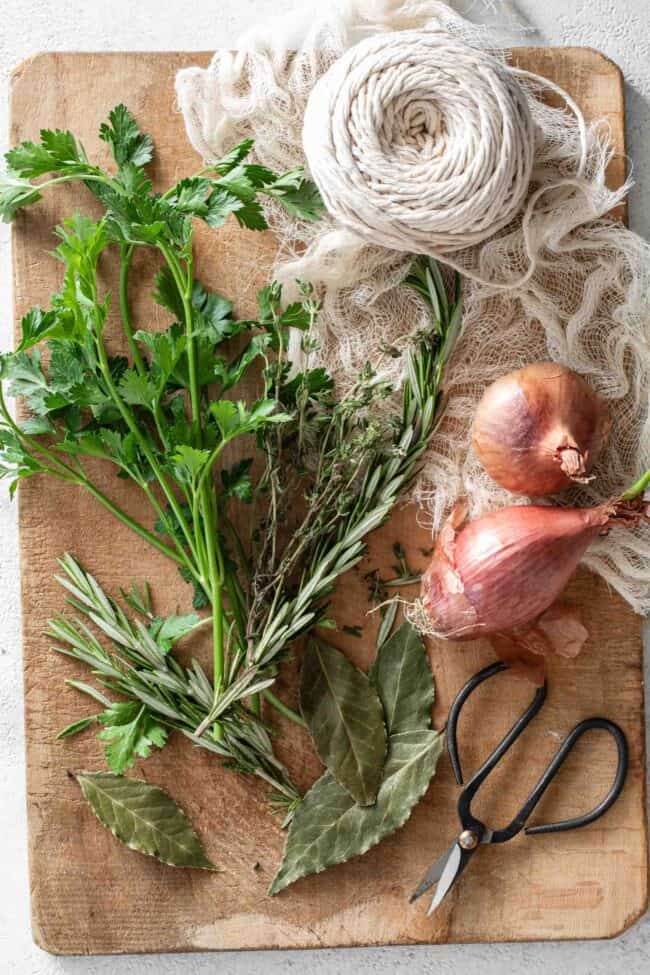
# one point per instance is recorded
(505, 569)
(539, 429)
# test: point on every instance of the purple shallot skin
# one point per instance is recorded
(505, 569)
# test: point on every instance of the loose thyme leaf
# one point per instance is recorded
(346, 720)
(144, 818)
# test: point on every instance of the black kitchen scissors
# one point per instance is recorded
(448, 867)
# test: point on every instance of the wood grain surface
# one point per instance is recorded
(90, 894)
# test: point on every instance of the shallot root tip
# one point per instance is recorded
(573, 463)
(630, 512)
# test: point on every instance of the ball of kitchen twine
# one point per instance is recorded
(419, 142)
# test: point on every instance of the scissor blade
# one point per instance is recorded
(453, 867)
(433, 874)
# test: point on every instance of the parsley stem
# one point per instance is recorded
(126, 256)
(184, 284)
(198, 534)
(153, 501)
(89, 177)
(283, 708)
(207, 470)
(130, 522)
(131, 423)
(217, 633)
(216, 570)
(244, 561)
(160, 423)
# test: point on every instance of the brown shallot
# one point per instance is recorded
(538, 429)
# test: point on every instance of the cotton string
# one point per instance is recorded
(420, 142)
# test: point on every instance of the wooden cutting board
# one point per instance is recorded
(90, 894)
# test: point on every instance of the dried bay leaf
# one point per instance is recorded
(346, 720)
(329, 828)
(404, 681)
(144, 818)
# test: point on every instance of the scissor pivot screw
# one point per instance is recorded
(468, 840)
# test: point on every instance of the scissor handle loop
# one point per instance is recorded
(510, 738)
(576, 822)
(465, 799)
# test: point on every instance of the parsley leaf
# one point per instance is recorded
(232, 374)
(314, 382)
(138, 389)
(131, 731)
(133, 180)
(220, 205)
(57, 152)
(298, 195)
(27, 379)
(167, 632)
(15, 461)
(129, 144)
(233, 158)
(37, 325)
(251, 216)
(189, 463)
(236, 480)
(190, 196)
(15, 192)
(166, 349)
(235, 418)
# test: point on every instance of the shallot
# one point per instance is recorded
(538, 429)
(501, 575)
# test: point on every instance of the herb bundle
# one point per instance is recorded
(164, 418)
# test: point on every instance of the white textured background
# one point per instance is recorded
(620, 28)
